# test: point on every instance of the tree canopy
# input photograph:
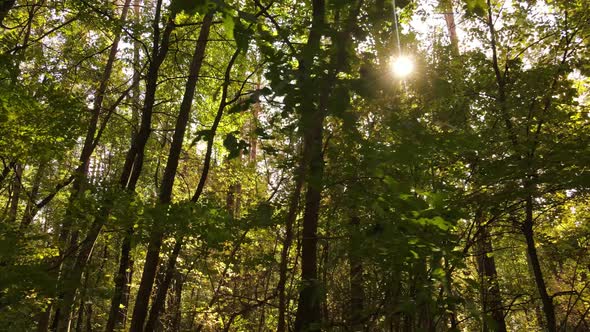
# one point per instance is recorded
(318, 165)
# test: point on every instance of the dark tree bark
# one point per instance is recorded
(133, 166)
(16, 190)
(357, 296)
(176, 310)
(491, 298)
(546, 299)
(72, 273)
(170, 267)
(165, 195)
(284, 262)
(160, 298)
(312, 120)
(31, 207)
(308, 317)
(5, 7)
(6, 170)
(308, 310)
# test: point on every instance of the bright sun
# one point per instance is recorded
(402, 66)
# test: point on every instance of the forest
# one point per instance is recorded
(294, 165)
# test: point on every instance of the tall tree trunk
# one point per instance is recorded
(71, 274)
(357, 295)
(284, 262)
(176, 304)
(160, 298)
(6, 170)
(30, 209)
(120, 299)
(490, 289)
(308, 317)
(134, 162)
(170, 267)
(165, 196)
(447, 7)
(308, 310)
(546, 299)
(16, 189)
(134, 158)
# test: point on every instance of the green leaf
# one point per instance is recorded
(228, 25)
(188, 6)
(234, 146)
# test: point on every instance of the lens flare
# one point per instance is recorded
(402, 66)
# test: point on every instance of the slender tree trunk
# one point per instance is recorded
(284, 262)
(6, 170)
(308, 317)
(177, 304)
(308, 310)
(170, 267)
(71, 279)
(16, 189)
(546, 299)
(89, 317)
(134, 159)
(490, 289)
(120, 299)
(312, 120)
(81, 306)
(447, 7)
(357, 295)
(30, 209)
(133, 166)
(155, 242)
(160, 299)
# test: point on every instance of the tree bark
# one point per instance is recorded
(491, 299)
(15, 197)
(31, 207)
(308, 310)
(546, 299)
(133, 166)
(69, 283)
(284, 262)
(447, 7)
(165, 196)
(357, 295)
(160, 299)
(5, 7)
(308, 317)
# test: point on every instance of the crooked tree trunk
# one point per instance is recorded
(546, 299)
(491, 299)
(165, 196)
